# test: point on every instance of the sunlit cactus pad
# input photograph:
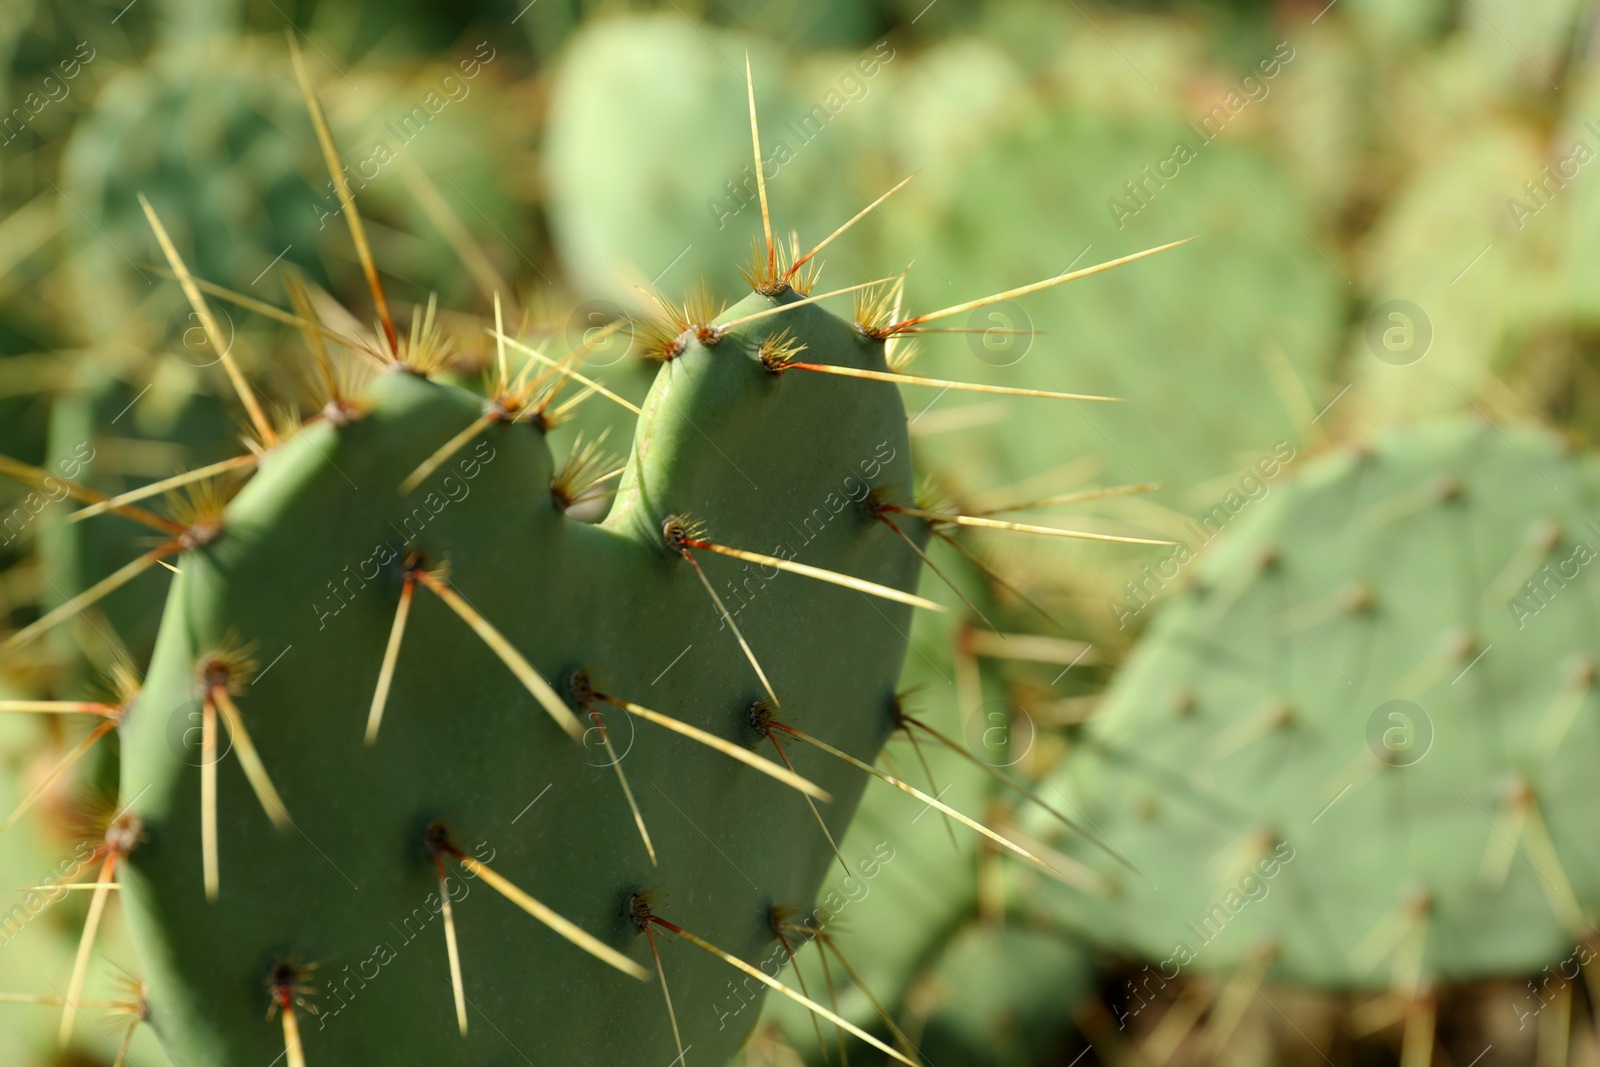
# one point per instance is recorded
(307, 573)
(1365, 740)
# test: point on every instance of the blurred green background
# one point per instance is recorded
(1368, 395)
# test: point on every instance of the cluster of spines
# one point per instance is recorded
(524, 397)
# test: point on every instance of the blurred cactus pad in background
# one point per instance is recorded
(1002, 534)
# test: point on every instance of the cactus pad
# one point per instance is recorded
(1364, 737)
(307, 571)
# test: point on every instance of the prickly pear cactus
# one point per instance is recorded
(1364, 741)
(306, 569)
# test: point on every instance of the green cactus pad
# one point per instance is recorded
(307, 570)
(1363, 739)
